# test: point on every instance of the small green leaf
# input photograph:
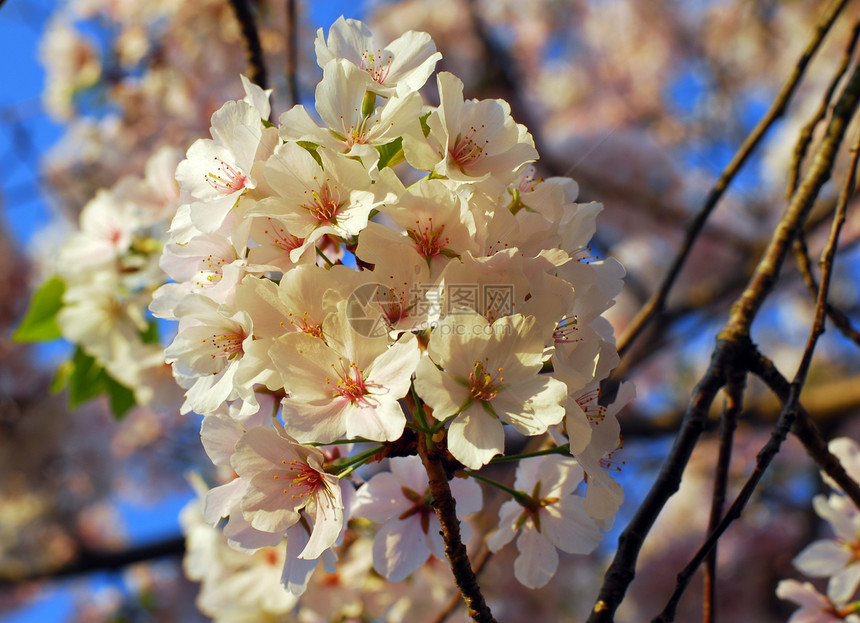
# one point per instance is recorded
(40, 321)
(424, 127)
(87, 379)
(150, 336)
(391, 153)
(121, 397)
(61, 377)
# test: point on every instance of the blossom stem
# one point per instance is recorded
(520, 496)
(324, 257)
(354, 462)
(564, 449)
(455, 550)
(338, 442)
(419, 414)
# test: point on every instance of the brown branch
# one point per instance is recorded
(805, 429)
(292, 52)
(766, 273)
(251, 39)
(806, 132)
(839, 319)
(89, 561)
(734, 402)
(455, 550)
(792, 402)
(658, 300)
(456, 600)
(731, 354)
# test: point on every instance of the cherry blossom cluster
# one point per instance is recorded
(837, 559)
(374, 275)
(109, 268)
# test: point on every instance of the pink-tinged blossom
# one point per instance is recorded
(350, 384)
(839, 558)
(604, 495)
(208, 351)
(489, 376)
(220, 433)
(433, 220)
(848, 453)
(217, 172)
(333, 196)
(814, 607)
(549, 517)
(470, 141)
(349, 128)
(401, 500)
(401, 67)
(286, 477)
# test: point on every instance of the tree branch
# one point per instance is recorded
(253, 50)
(734, 402)
(733, 352)
(455, 550)
(89, 561)
(658, 300)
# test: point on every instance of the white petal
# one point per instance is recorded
(538, 560)
(399, 548)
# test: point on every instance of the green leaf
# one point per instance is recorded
(150, 336)
(121, 397)
(87, 379)
(424, 127)
(391, 153)
(40, 321)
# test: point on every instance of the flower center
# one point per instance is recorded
(566, 331)
(305, 325)
(281, 238)
(350, 383)
(226, 179)
(303, 480)
(428, 241)
(377, 65)
(226, 345)
(466, 150)
(483, 385)
(324, 203)
(593, 411)
(420, 506)
(211, 271)
(528, 181)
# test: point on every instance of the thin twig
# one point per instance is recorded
(455, 550)
(658, 300)
(806, 132)
(734, 401)
(89, 561)
(805, 430)
(792, 403)
(292, 51)
(731, 354)
(456, 599)
(253, 50)
(839, 319)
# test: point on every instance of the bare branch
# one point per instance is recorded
(658, 300)
(89, 561)
(734, 402)
(455, 550)
(253, 50)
